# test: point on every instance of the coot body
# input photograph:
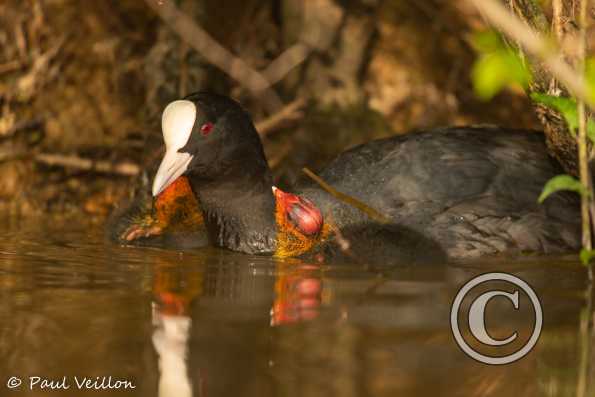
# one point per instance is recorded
(473, 190)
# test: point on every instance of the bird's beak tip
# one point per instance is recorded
(172, 166)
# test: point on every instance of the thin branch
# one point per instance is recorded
(214, 52)
(39, 73)
(345, 245)
(286, 62)
(289, 113)
(582, 136)
(585, 343)
(279, 155)
(10, 66)
(536, 45)
(84, 164)
(20, 126)
(558, 12)
(365, 208)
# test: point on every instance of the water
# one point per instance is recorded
(213, 323)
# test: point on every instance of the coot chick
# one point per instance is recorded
(173, 219)
(462, 192)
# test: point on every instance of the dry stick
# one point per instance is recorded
(10, 66)
(558, 11)
(289, 112)
(536, 45)
(586, 317)
(280, 155)
(345, 245)
(79, 163)
(21, 126)
(285, 62)
(371, 212)
(214, 52)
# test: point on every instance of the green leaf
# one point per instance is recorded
(488, 41)
(492, 72)
(568, 108)
(497, 66)
(488, 76)
(561, 182)
(587, 256)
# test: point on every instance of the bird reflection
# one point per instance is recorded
(173, 290)
(298, 294)
(292, 291)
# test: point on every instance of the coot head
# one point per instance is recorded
(210, 138)
(297, 213)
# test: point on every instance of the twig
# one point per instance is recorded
(10, 66)
(345, 245)
(21, 42)
(582, 138)
(586, 201)
(79, 163)
(536, 45)
(288, 113)
(20, 126)
(371, 212)
(280, 155)
(591, 207)
(214, 52)
(558, 12)
(38, 72)
(585, 343)
(11, 155)
(286, 62)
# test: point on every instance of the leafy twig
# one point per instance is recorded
(536, 45)
(582, 139)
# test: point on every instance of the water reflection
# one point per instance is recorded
(173, 293)
(297, 297)
(298, 293)
(213, 323)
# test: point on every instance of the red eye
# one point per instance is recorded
(206, 128)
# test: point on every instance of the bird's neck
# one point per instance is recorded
(239, 213)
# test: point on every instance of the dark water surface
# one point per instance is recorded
(213, 323)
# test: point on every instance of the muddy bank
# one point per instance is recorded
(82, 86)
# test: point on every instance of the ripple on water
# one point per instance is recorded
(73, 303)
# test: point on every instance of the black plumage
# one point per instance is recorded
(450, 193)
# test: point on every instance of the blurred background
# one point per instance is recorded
(83, 84)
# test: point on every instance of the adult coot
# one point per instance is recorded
(452, 193)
